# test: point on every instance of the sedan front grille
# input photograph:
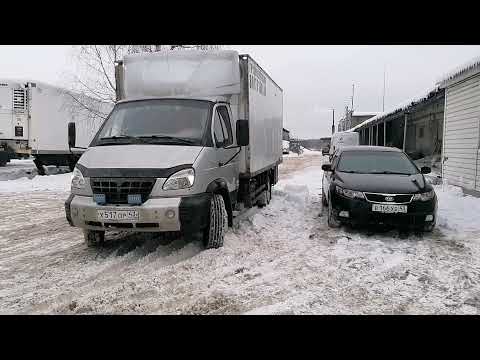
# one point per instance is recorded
(389, 198)
(116, 190)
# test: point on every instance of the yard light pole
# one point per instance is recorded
(333, 121)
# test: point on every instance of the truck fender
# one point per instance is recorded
(219, 186)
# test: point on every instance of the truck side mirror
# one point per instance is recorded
(71, 135)
(327, 167)
(425, 170)
(243, 134)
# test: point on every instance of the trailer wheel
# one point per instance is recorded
(94, 238)
(215, 231)
(3, 163)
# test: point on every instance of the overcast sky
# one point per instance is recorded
(314, 78)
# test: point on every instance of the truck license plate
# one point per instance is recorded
(389, 209)
(117, 215)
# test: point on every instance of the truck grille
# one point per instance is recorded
(393, 198)
(117, 190)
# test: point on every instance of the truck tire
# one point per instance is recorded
(3, 163)
(94, 238)
(264, 200)
(215, 232)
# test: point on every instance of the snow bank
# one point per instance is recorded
(456, 211)
(38, 183)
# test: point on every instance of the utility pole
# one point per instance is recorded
(353, 94)
(383, 101)
(333, 121)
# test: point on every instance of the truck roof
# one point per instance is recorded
(369, 148)
(206, 98)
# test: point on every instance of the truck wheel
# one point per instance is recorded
(215, 231)
(94, 238)
(332, 221)
(3, 163)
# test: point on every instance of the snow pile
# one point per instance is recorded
(456, 211)
(459, 70)
(38, 183)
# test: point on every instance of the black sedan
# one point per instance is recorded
(378, 185)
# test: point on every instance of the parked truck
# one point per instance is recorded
(195, 138)
(34, 118)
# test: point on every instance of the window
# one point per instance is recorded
(376, 162)
(226, 126)
(179, 118)
(218, 130)
(421, 131)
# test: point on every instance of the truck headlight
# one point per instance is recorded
(424, 196)
(352, 194)
(78, 182)
(182, 179)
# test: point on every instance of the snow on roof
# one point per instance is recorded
(459, 70)
(402, 106)
(366, 113)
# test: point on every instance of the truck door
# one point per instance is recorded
(224, 140)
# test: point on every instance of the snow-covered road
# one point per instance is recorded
(282, 259)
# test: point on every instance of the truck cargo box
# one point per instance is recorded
(218, 76)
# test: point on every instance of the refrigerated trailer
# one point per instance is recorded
(195, 138)
(33, 122)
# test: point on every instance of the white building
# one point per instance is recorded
(462, 126)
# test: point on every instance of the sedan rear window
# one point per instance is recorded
(376, 162)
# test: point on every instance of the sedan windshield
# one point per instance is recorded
(168, 121)
(376, 162)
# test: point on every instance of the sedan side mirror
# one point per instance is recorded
(425, 170)
(243, 134)
(71, 135)
(327, 167)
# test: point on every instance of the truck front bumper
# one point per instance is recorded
(189, 214)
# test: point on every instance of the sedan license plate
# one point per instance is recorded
(117, 215)
(389, 209)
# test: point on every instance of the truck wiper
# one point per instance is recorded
(168, 137)
(116, 137)
(390, 173)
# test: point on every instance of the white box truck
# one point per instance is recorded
(196, 137)
(344, 138)
(33, 121)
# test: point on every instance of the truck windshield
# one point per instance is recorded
(376, 162)
(166, 121)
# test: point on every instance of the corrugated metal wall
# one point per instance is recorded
(462, 132)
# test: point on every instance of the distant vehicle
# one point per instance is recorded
(344, 138)
(377, 185)
(33, 121)
(286, 146)
(194, 139)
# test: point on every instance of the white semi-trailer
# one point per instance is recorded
(34, 117)
(195, 137)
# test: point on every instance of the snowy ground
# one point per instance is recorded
(25, 168)
(282, 259)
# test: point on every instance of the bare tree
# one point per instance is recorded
(94, 81)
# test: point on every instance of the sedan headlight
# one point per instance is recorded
(352, 194)
(182, 179)
(78, 182)
(424, 196)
